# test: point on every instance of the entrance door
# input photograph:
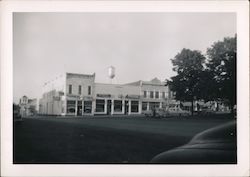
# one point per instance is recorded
(126, 107)
(79, 108)
(109, 107)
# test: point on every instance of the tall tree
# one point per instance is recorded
(222, 68)
(189, 67)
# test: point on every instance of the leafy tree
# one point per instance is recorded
(32, 110)
(187, 83)
(16, 110)
(221, 67)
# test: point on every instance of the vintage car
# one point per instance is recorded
(216, 145)
(157, 112)
(177, 111)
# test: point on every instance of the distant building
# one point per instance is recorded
(28, 107)
(78, 94)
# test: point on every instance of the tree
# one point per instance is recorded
(222, 68)
(187, 83)
(16, 110)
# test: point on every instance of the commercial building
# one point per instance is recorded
(28, 107)
(78, 94)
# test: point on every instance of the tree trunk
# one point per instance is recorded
(192, 107)
(232, 111)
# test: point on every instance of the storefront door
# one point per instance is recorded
(109, 107)
(126, 107)
(79, 108)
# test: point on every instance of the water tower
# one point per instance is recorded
(111, 73)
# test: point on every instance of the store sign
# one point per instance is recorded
(73, 96)
(103, 95)
(133, 96)
(87, 98)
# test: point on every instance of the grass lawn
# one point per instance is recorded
(102, 139)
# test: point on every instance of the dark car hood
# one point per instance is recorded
(215, 145)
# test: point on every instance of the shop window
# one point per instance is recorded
(157, 105)
(153, 105)
(100, 105)
(134, 106)
(87, 107)
(144, 106)
(156, 94)
(70, 89)
(71, 106)
(89, 90)
(145, 94)
(163, 95)
(117, 106)
(79, 89)
(167, 95)
(151, 94)
(71, 110)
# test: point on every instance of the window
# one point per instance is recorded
(144, 106)
(70, 89)
(167, 95)
(163, 95)
(151, 94)
(153, 105)
(117, 106)
(134, 106)
(164, 105)
(156, 94)
(79, 89)
(71, 106)
(87, 106)
(100, 105)
(145, 94)
(89, 90)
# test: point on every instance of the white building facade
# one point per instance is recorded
(28, 107)
(78, 94)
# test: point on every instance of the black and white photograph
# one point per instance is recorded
(156, 88)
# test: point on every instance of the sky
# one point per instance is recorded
(138, 45)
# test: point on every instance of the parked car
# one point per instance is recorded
(160, 112)
(157, 112)
(177, 111)
(207, 111)
(147, 113)
(216, 145)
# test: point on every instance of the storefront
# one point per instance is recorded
(80, 95)
(111, 104)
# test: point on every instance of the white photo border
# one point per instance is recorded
(241, 8)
